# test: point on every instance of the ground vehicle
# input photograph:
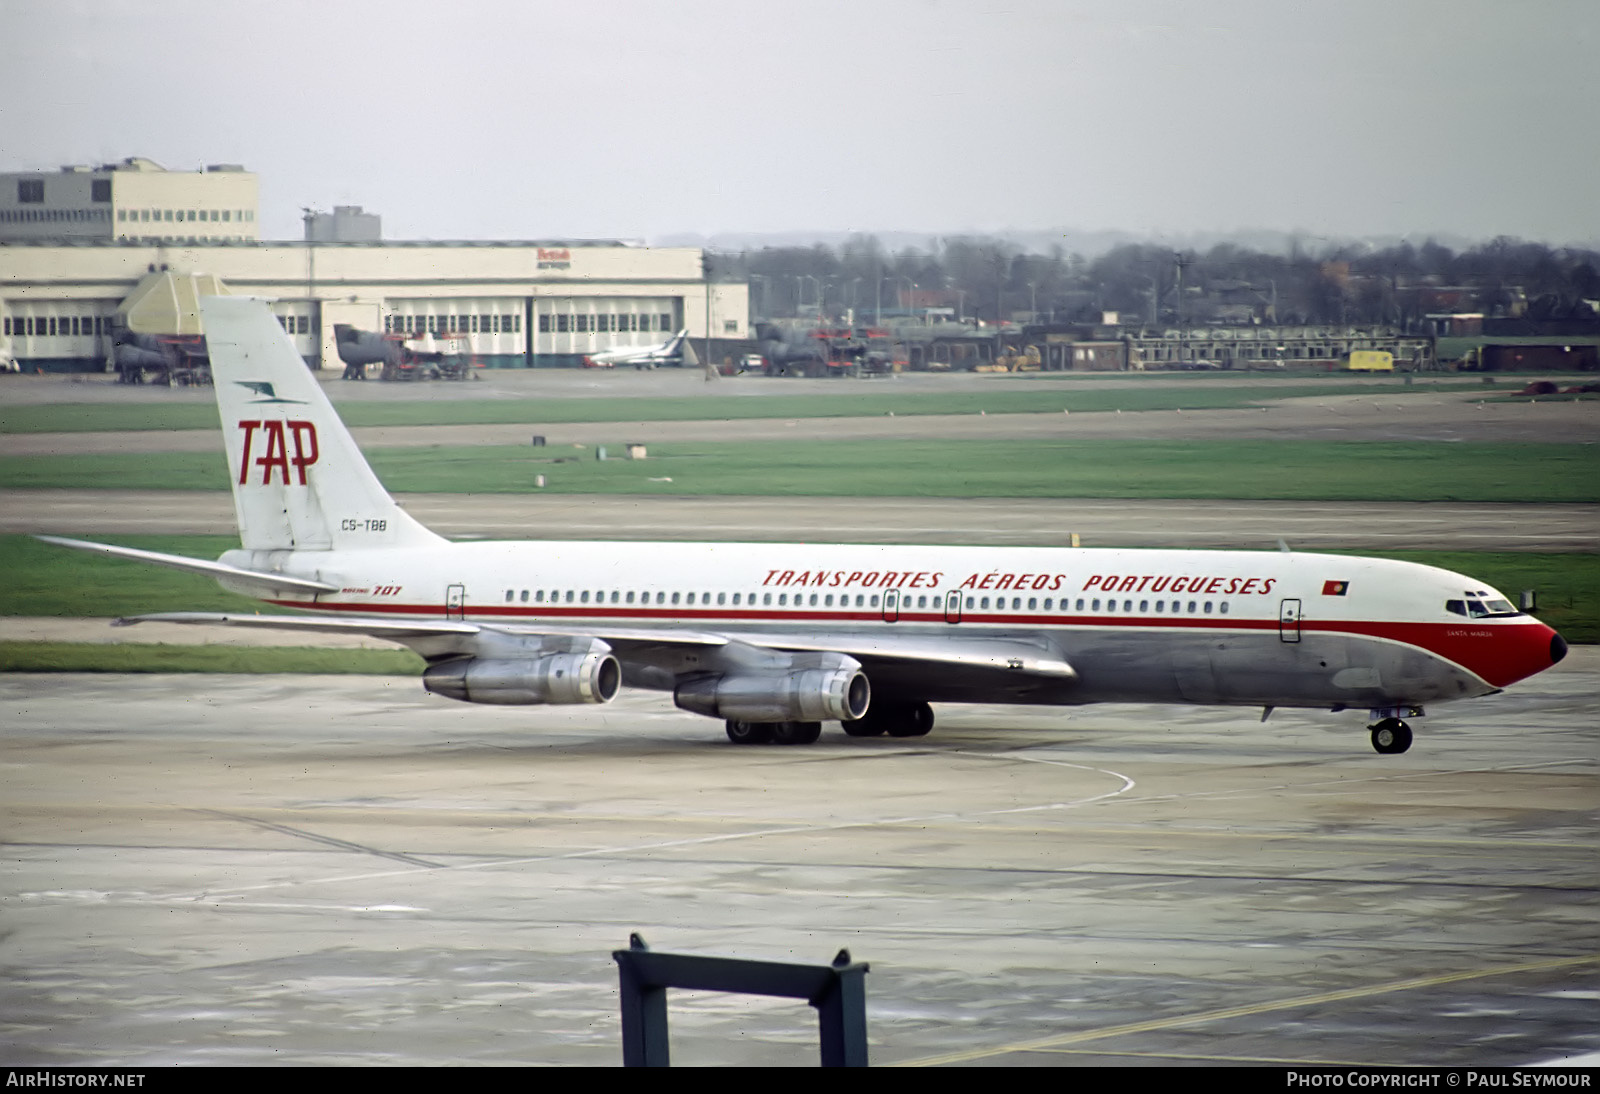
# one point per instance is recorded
(1369, 360)
(359, 348)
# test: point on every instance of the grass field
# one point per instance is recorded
(90, 657)
(1245, 470)
(730, 402)
(43, 580)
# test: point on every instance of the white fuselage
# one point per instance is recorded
(1271, 628)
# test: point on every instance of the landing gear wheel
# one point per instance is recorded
(749, 733)
(863, 727)
(1391, 736)
(796, 733)
(914, 720)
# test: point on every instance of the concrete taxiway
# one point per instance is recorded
(294, 870)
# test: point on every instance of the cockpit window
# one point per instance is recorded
(1480, 606)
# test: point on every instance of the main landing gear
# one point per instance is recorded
(1391, 735)
(777, 733)
(894, 719)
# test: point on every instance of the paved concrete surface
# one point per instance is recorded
(1019, 521)
(291, 870)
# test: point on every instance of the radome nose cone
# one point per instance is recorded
(1558, 648)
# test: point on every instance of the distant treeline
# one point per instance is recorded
(988, 278)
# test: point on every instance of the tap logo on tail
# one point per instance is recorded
(278, 437)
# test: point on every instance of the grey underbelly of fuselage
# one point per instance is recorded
(1260, 669)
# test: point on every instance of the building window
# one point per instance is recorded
(30, 191)
(665, 322)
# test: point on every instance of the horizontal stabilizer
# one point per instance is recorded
(267, 582)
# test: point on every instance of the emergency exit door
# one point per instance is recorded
(891, 606)
(952, 606)
(454, 601)
(1289, 621)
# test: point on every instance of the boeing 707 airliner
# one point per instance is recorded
(776, 639)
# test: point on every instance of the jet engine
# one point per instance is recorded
(590, 676)
(829, 694)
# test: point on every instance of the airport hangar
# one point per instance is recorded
(518, 304)
(84, 250)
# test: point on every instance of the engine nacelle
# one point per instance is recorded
(807, 695)
(591, 676)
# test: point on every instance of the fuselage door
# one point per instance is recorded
(454, 601)
(952, 606)
(1289, 621)
(891, 605)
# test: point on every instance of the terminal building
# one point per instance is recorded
(69, 283)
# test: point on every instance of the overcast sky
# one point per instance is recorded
(524, 119)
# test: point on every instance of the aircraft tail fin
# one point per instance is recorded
(299, 481)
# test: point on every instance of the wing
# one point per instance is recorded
(935, 668)
(1020, 667)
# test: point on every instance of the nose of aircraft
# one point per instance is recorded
(1520, 651)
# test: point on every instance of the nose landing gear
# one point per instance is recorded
(1391, 735)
